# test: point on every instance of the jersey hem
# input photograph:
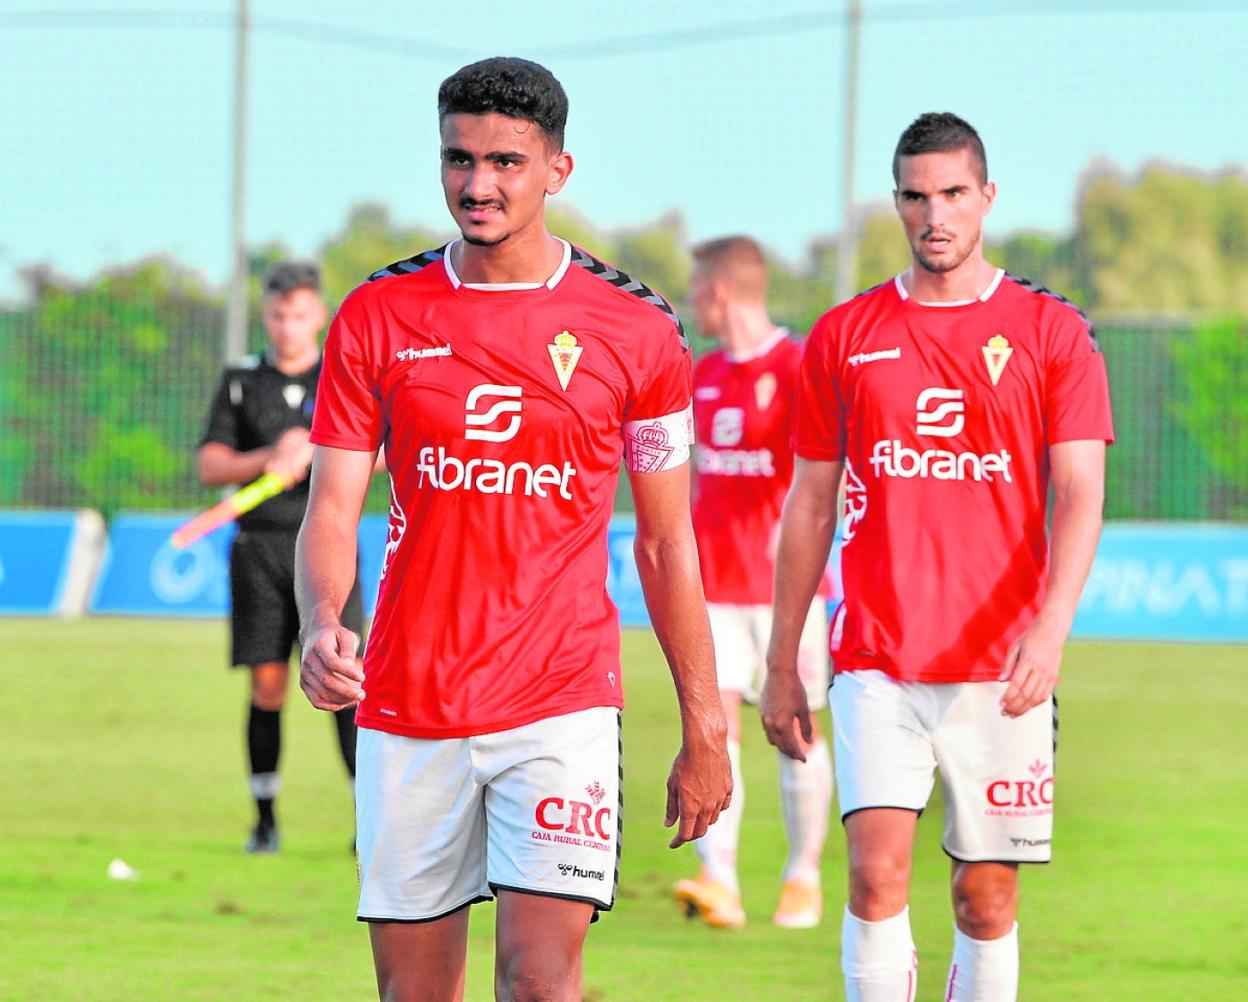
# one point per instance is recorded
(948, 678)
(391, 726)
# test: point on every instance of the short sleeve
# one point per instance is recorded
(658, 423)
(222, 425)
(348, 398)
(1076, 403)
(819, 407)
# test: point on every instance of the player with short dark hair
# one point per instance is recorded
(952, 397)
(743, 395)
(508, 374)
(259, 422)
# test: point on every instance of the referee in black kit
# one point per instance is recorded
(259, 423)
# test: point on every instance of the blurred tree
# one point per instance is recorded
(1167, 241)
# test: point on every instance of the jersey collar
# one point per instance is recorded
(983, 297)
(773, 339)
(550, 283)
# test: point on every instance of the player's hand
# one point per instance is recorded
(1031, 667)
(329, 673)
(698, 788)
(786, 713)
(292, 456)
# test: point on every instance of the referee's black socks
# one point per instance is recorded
(264, 748)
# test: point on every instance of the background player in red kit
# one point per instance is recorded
(742, 406)
(507, 374)
(951, 397)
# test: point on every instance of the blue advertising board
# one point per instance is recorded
(46, 561)
(144, 575)
(1150, 581)
(1167, 581)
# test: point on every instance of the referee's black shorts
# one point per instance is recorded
(264, 622)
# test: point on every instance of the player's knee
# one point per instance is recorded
(878, 884)
(534, 975)
(268, 697)
(985, 905)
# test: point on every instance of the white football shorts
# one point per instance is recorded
(996, 772)
(447, 822)
(741, 633)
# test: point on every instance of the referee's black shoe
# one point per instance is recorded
(263, 840)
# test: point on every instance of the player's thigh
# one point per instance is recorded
(421, 961)
(263, 619)
(552, 801)
(738, 655)
(883, 753)
(997, 776)
(538, 939)
(420, 823)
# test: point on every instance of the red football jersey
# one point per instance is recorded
(944, 414)
(742, 415)
(505, 412)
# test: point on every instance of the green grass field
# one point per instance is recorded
(124, 740)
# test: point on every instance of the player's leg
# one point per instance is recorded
(715, 893)
(985, 937)
(422, 839)
(806, 787)
(997, 774)
(538, 947)
(421, 962)
(884, 775)
(552, 805)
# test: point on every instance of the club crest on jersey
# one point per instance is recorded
(996, 353)
(565, 353)
(765, 390)
(293, 394)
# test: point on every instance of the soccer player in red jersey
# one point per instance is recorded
(508, 374)
(952, 397)
(742, 408)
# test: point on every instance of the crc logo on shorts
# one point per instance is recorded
(727, 426)
(572, 870)
(940, 412)
(492, 412)
(574, 822)
(1021, 798)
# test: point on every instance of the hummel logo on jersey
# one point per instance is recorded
(478, 424)
(874, 356)
(411, 354)
(946, 418)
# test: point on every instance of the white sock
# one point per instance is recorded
(878, 959)
(983, 970)
(717, 849)
(805, 799)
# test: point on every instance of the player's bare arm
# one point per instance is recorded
(1034, 660)
(806, 530)
(325, 561)
(700, 783)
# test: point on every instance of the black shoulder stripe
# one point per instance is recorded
(1040, 290)
(626, 283)
(410, 265)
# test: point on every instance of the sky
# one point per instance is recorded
(115, 124)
